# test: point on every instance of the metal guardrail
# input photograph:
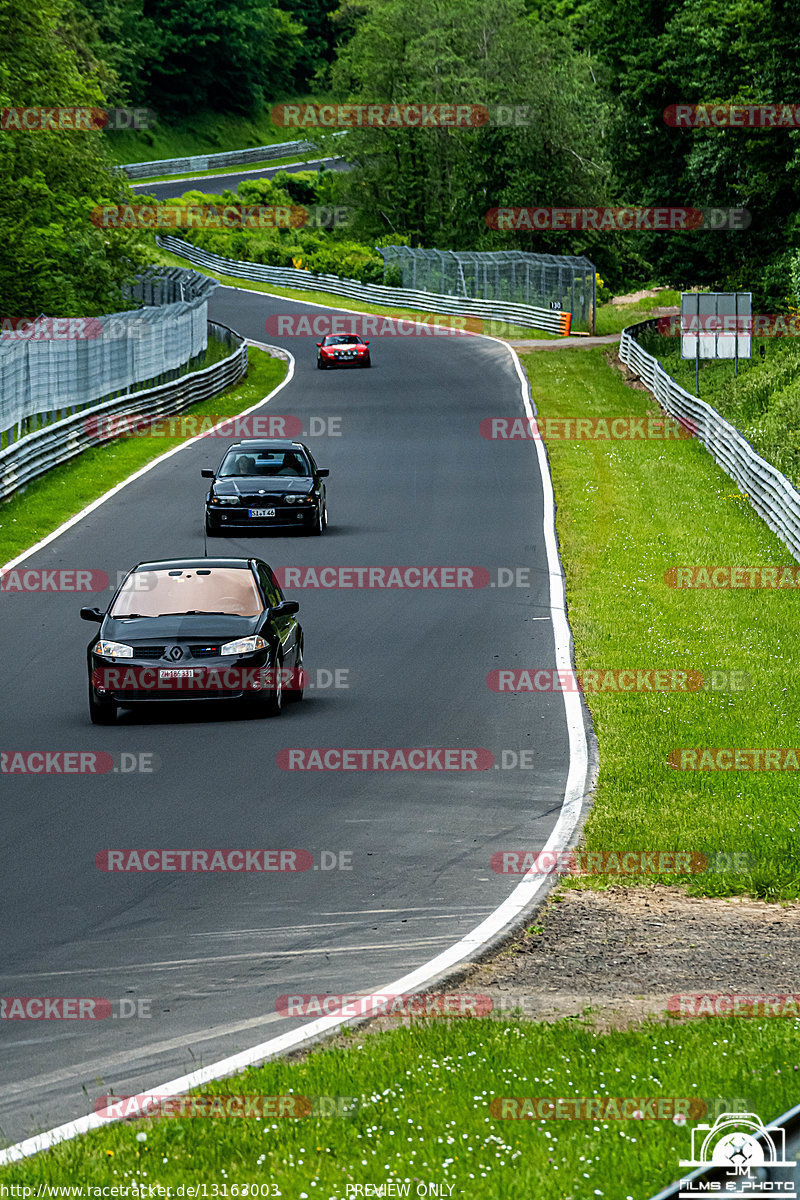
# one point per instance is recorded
(49, 367)
(524, 315)
(208, 162)
(58, 443)
(771, 494)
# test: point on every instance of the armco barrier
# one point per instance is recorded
(771, 494)
(36, 453)
(524, 315)
(208, 162)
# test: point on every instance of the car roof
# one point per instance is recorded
(179, 564)
(268, 444)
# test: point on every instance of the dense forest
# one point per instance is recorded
(596, 78)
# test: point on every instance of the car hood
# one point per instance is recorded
(179, 628)
(248, 485)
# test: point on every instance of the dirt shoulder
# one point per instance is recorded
(618, 955)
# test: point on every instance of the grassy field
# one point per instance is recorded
(417, 1110)
(628, 512)
(57, 496)
(612, 318)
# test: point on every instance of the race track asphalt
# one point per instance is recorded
(412, 482)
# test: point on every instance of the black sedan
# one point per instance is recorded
(196, 629)
(264, 484)
(342, 350)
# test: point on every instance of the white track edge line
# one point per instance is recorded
(468, 946)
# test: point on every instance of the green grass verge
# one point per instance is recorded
(64, 491)
(628, 511)
(202, 133)
(423, 1114)
(612, 318)
(495, 328)
(762, 400)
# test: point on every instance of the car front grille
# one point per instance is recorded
(148, 651)
(204, 651)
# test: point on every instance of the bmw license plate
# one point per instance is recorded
(175, 673)
(262, 512)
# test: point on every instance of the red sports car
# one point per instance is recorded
(342, 350)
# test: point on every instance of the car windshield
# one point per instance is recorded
(229, 590)
(346, 339)
(242, 463)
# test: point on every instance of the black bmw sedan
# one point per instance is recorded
(264, 484)
(196, 629)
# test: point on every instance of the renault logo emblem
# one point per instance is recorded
(174, 654)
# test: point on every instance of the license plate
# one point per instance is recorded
(262, 512)
(176, 673)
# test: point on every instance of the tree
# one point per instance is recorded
(55, 260)
(438, 183)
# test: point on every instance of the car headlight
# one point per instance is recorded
(113, 650)
(226, 499)
(245, 645)
(298, 499)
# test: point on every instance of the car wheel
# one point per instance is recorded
(211, 532)
(271, 703)
(320, 365)
(367, 362)
(102, 712)
(320, 521)
(295, 694)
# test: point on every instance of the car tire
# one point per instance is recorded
(320, 521)
(271, 703)
(211, 532)
(320, 365)
(102, 712)
(295, 695)
(367, 363)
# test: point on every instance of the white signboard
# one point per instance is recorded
(716, 324)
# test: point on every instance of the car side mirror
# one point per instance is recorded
(366, 343)
(92, 614)
(286, 608)
(207, 473)
(323, 472)
(319, 343)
